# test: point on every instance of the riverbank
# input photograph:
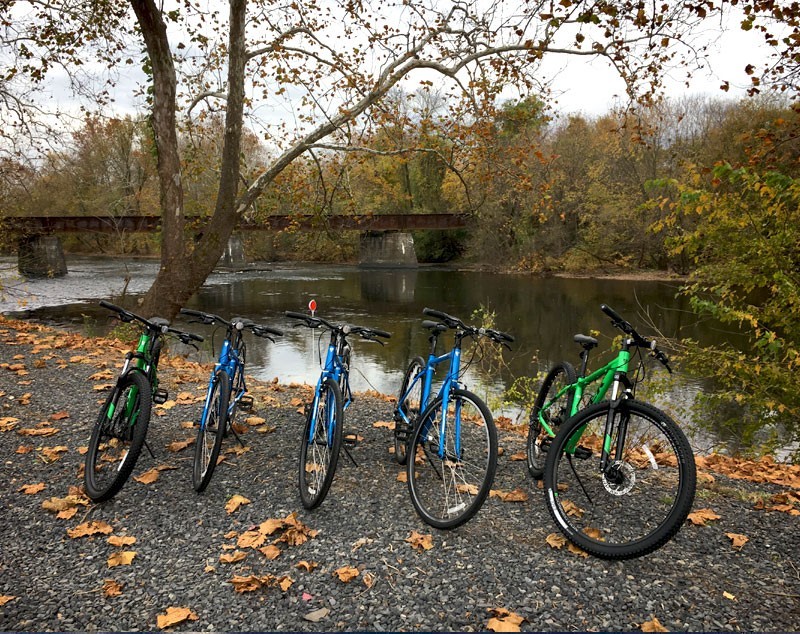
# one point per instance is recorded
(355, 563)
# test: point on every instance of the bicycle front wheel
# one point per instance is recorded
(211, 431)
(640, 499)
(117, 437)
(553, 410)
(410, 407)
(452, 466)
(319, 449)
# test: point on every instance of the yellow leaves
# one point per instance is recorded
(232, 558)
(255, 421)
(402, 476)
(6, 598)
(7, 423)
(729, 596)
(52, 454)
(59, 416)
(88, 529)
(653, 626)
(32, 489)
(270, 552)
(42, 429)
(251, 583)
(65, 507)
(384, 424)
(270, 526)
(737, 540)
(111, 588)
(180, 445)
(701, 516)
(558, 541)
(250, 539)
(235, 502)
(419, 541)
(504, 621)
(517, 495)
(174, 616)
(121, 558)
(121, 540)
(308, 566)
(346, 574)
(151, 475)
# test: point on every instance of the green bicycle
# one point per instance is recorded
(619, 474)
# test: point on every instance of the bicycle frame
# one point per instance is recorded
(334, 369)
(141, 360)
(229, 360)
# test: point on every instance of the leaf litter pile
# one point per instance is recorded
(245, 555)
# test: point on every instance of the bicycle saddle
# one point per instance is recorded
(585, 341)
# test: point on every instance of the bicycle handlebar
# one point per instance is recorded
(345, 329)
(239, 322)
(455, 322)
(163, 327)
(638, 340)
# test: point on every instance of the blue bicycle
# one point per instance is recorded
(322, 436)
(227, 392)
(451, 446)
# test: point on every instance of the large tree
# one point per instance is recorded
(314, 73)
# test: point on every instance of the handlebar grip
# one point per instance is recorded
(611, 313)
(294, 315)
(191, 312)
(435, 313)
(381, 333)
(194, 336)
(266, 330)
(111, 306)
(504, 336)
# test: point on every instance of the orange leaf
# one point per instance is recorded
(504, 621)
(6, 598)
(270, 526)
(174, 616)
(122, 540)
(420, 541)
(90, 528)
(59, 416)
(308, 566)
(738, 540)
(121, 558)
(233, 557)
(255, 421)
(385, 424)
(235, 502)
(653, 626)
(701, 516)
(148, 477)
(30, 489)
(7, 423)
(346, 573)
(271, 552)
(180, 445)
(111, 588)
(402, 476)
(250, 539)
(285, 582)
(556, 540)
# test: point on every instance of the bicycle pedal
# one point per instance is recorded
(160, 396)
(583, 453)
(246, 404)
(350, 440)
(402, 430)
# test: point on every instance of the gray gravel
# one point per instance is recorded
(498, 560)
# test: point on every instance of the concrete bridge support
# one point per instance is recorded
(387, 249)
(234, 256)
(41, 256)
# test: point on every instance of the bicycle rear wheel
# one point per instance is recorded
(211, 432)
(555, 413)
(410, 407)
(319, 448)
(640, 500)
(117, 437)
(453, 463)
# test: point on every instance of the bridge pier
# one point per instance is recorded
(234, 256)
(41, 256)
(387, 249)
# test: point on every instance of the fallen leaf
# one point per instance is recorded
(317, 615)
(385, 424)
(420, 541)
(556, 540)
(235, 502)
(121, 558)
(369, 579)
(121, 540)
(148, 477)
(52, 454)
(653, 626)
(90, 528)
(363, 541)
(255, 421)
(174, 616)
(58, 505)
(346, 573)
(701, 516)
(285, 582)
(31, 489)
(504, 621)
(232, 558)
(738, 540)
(6, 598)
(67, 514)
(59, 416)
(402, 476)
(576, 550)
(518, 457)
(8, 423)
(112, 588)
(308, 566)
(180, 445)
(270, 552)
(23, 449)
(729, 596)
(42, 429)
(166, 404)
(250, 539)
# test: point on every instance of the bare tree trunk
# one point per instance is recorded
(183, 270)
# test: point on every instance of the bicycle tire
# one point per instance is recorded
(410, 407)
(124, 434)
(641, 501)
(319, 456)
(211, 432)
(559, 376)
(448, 502)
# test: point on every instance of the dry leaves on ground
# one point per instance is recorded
(121, 540)
(346, 573)
(90, 528)
(419, 541)
(737, 540)
(504, 621)
(112, 588)
(174, 616)
(235, 502)
(121, 558)
(31, 489)
(701, 516)
(653, 626)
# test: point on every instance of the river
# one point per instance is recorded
(541, 313)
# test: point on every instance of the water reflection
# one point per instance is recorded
(542, 313)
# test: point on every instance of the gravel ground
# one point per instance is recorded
(500, 559)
